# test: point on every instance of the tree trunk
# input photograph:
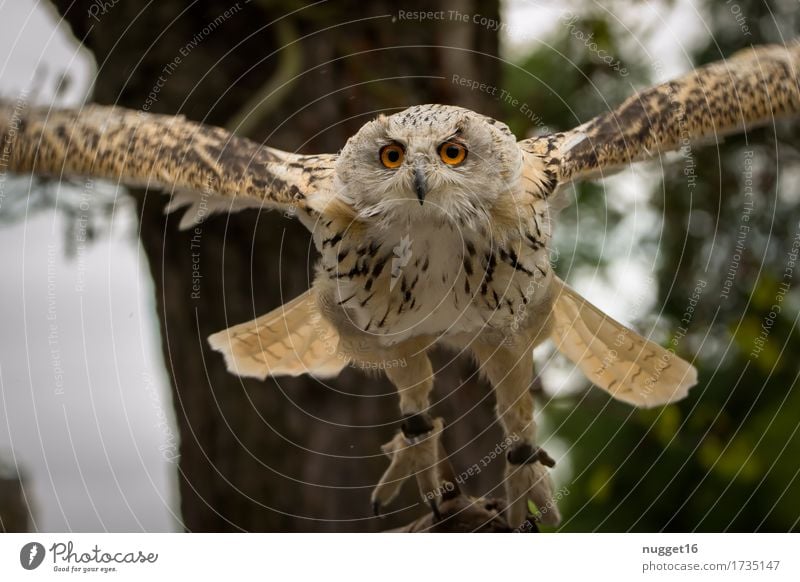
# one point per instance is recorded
(14, 515)
(285, 454)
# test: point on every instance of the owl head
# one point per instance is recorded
(429, 162)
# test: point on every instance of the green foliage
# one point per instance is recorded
(725, 458)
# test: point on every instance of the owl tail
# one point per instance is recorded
(291, 340)
(615, 358)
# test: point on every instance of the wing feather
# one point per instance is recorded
(617, 359)
(747, 90)
(202, 163)
(291, 340)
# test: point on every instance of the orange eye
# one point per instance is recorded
(452, 153)
(392, 155)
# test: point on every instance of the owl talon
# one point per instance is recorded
(416, 427)
(525, 453)
(417, 457)
(529, 480)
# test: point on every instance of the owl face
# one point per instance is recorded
(429, 161)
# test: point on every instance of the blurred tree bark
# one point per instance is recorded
(14, 515)
(285, 454)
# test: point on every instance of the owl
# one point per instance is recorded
(433, 227)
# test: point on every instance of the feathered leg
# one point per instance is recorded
(509, 368)
(414, 449)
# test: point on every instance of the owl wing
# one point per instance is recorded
(291, 340)
(628, 366)
(207, 168)
(749, 89)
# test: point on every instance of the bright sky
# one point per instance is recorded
(82, 387)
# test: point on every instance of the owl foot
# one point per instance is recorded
(524, 454)
(412, 451)
(527, 479)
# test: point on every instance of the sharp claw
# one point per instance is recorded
(411, 454)
(530, 482)
(546, 459)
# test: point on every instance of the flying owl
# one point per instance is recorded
(433, 226)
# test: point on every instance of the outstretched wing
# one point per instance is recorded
(617, 359)
(750, 89)
(291, 340)
(195, 161)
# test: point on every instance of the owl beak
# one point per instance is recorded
(420, 185)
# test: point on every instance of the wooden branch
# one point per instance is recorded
(462, 514)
